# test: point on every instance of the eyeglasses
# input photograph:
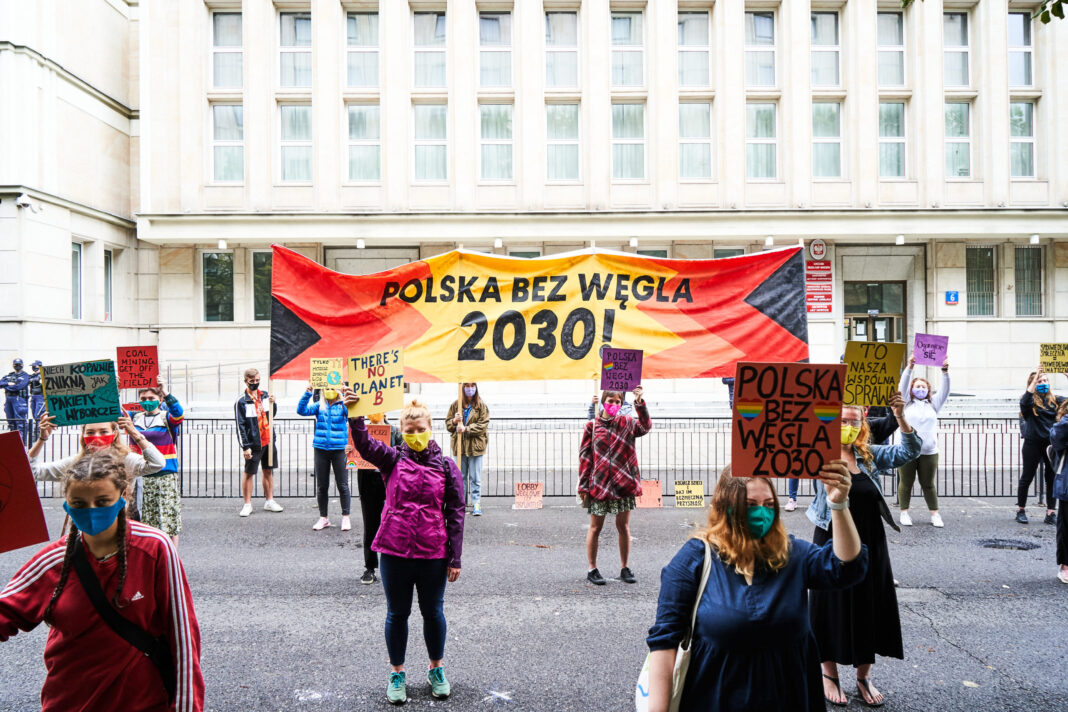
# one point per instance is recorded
(854, 423)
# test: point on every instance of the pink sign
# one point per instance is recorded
(930, 349)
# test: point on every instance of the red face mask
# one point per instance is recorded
(99, 442)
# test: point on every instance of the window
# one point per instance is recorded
(108, 302)
(891, 139)
(891, 49)
(562, 135)
(718, 252)
(295, 49)
(218, 286)
(955, 46)
(627, 69)
(430, 49)
(662, 253)
(226, 50)
(1022, 139)
(694, 49)
(365, 143)
(496, 141)
(695, 140)
(1020, 49)
(76, 280)
(362, 39)
(561, 49)
(760, 49)
(826, 139)
(431, 143)
(1028, 281)
(628, 141)
(958, 140)
(524, 254)
(261, 285)
(296, 142)
(979, 278)
(228, 147)
(760, 157)
(825, 49)
(495, 49)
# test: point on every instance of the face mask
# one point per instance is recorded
(1042, 388)
(417, 441)
(470, 392)
(254, 386)
(760, 520)
(376, 418)
(150, 405)
(611, 409)
(919, 392)
(93, 520)
(330, 395)
(99, 442)
(849, 434)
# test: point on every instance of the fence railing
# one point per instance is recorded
(978, 457)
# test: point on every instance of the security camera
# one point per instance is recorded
(23, 201)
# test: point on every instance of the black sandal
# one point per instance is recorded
(838, 686)
(866, 684)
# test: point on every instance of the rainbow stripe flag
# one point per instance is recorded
(609, 366)
(749, 409)
(827, 412)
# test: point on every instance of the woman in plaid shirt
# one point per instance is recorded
(609, 479)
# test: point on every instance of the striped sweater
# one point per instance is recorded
(161, 429)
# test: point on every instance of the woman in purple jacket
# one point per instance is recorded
(419, 540)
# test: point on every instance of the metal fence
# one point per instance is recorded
(978, 457)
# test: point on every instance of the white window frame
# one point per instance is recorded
(1024, 139)
(575, 49)
(77, 294)
(503, 48)
(363, 49)
(695, 49)
(903, 140)
(222, 49)
(774, 140)
(214, 143)
(293, 49)
(773, 48)
(431, 142)
(829, 140)
(441, 49)
(483, 142)
(699, 142)
(836, 48)
(203, 285)
(350, 142)
(577, 142)
(1029, 50)
(251, 283)
(310, 143)
(630, 49)
(632, 141)
(966, 49)
(898, 49)
(956, 139)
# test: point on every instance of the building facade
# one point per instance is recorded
(916, 148)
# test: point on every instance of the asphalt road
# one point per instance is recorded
(286, 624)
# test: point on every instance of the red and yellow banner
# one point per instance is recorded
(468, 316)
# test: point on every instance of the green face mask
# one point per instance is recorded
(760, 520)
(149, 405)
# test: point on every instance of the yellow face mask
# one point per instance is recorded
(417, 441)
(330, 395)
(849, 434)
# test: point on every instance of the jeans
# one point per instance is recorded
(1034, 454)
(15, 412)
(325, 460)
(792, 487)
(372, 498)
(471, 468)
(427, 577)
(925, 466)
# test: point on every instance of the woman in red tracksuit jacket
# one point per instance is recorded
(90, 667)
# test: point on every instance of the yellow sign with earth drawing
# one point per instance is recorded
(327, 372)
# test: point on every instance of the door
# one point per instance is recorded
(875, 311)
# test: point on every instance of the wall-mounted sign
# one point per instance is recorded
(819, 287)
(818, 249)
(952, 298)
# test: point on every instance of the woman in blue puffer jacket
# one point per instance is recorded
(331, 440)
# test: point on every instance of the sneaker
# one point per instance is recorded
(1051, 518)
(245, 510)
(594, 577)
(1021, 516)
(346, 523)
(791, 505)
(1062, 576)
(439, 686)
(477, 511)
(626, 576)
(271, 506)
(936, 520)
(368, 577)
(906, 519)
(397, 690)
(323, 523)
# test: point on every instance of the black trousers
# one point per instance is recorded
(1062, 534)
(372, 490)
(1034, 455)
(325, 460)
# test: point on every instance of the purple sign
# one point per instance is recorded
(621, 369)
(930, 349)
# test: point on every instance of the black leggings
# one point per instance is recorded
(1062, 534)
(324, 460)
(1034, 454)
(372, 499)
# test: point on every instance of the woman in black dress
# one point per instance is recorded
(855, 625)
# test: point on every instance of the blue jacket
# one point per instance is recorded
(331, 423)
(16, 383)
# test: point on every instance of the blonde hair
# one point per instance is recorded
(414, 410)
(249, 372)
(117, 447)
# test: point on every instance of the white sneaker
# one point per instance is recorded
(271, 506)
(245, 510)
(936, 520)
(323, 523)
(1062, 576)
(346, 523)
(906, 520)
(791, 505)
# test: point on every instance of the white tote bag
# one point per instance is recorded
(682, 655)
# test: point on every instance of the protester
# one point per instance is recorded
(922, 406)
(609, 478)
(468, 423)
(37, 401)
(855, 625)
(257, 439)
(16, 396)
(95, 438)
(161, 502)
(118, 564)
(420, 539)
(372, 498)
(330, 442)
(624, 409)
(752, 647)
(1058, 437)
(1038, 406)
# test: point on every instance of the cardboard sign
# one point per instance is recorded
(378, 379)
(652, 496)
(930, 349)
(1053, 358)
(138, 366)
(874, 369)
(327, 372)
(77, 393)
(786, 418)
(353, 459)
(133, 408)
(621, 369)
(528, 495)
(689, 493)
(22, 521)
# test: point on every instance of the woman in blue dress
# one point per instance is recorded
(752, 647)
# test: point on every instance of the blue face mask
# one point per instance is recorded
(93, 520)
(1042, 388)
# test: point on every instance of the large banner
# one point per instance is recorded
(467, 316)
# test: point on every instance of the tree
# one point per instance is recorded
(1045, 12)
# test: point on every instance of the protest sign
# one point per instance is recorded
(378, 379)
(22, 521)
(353, 459)
(621, 369)
(133, 408)
(930, 349)
(528, 495)
(138, 366)
(689, 493)
(1053, 358)
(785, 420)
(874, 369)
(652, 496)
(85, 392)
(327, 372)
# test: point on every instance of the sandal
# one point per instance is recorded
(866, 684)
(838, 686)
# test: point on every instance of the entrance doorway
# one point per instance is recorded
(875, 311)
